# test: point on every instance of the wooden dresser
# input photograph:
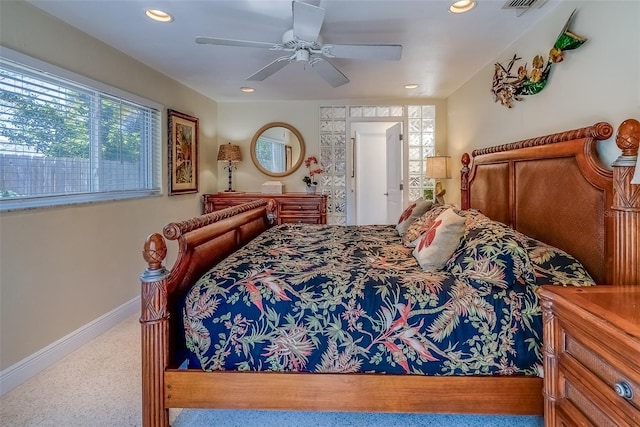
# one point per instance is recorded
(591, 355)
(291, 207)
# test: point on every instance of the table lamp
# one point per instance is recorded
(229, 153)
(438, 168)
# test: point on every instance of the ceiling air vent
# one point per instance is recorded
(523, 5)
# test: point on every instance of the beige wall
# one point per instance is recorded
(238, 122)
(600, 81)
(61, 268)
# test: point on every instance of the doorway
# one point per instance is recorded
(368, 186)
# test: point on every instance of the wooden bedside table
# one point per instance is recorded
(591, 355)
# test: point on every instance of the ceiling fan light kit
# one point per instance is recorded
(303, 43)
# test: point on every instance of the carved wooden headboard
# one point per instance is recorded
(554, 188)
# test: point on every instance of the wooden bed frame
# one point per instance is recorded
(552, 188)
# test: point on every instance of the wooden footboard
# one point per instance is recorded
(203, 241)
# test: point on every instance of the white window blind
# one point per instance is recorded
(271, 154)
(66, 139)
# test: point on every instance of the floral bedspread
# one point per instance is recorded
(322, 298)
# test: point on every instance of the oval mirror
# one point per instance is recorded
(277, 149)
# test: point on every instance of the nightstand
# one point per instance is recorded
(591, 355)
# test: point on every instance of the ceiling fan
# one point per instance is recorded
(303, 43)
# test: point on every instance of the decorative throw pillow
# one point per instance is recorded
(421, 224)
(438, 242)
(414, 211)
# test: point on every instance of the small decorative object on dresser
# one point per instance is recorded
(272, 187)
(311, 163)
(290, 207)
(591, 355)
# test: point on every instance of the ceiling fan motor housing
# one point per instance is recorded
(290, 41)
(302, 55)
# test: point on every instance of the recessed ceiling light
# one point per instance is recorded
(411, 86)
(246, 89)
(158, 15)
(462, 6)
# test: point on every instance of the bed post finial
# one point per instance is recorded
(154, 252)
(155, 331)
(626, 207)
(465, 197)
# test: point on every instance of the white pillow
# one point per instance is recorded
(436, 245)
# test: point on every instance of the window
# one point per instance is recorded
(422, 144)
(66, 139)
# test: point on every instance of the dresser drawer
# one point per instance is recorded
(299, 219)
(219, 204)
(292, 206)
(592, 355)
(578, 409)
(610, 377)
(584, 402)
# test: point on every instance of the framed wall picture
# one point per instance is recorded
(183, 153)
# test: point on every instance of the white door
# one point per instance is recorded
(371, 166)
(394, 173)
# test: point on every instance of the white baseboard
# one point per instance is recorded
(20, 372)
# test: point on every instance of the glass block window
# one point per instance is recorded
(421, 142)
(333, 146)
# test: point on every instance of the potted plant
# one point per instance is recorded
(311, 163)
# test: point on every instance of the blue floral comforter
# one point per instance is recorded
(322, 298)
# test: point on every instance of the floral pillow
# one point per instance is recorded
(493, 254)
(439, 240)
(414, 211)
(421, 224)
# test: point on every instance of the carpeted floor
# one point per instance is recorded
(99, 385)
(202, 418)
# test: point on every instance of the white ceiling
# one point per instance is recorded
(441, 50)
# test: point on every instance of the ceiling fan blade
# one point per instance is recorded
(307, 21)
(387, 52)
(270, 69)
(327, 71)
(231, 42)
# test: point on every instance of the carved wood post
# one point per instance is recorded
(626, 207)
(155, 330)
(551, 377)
(465, 197)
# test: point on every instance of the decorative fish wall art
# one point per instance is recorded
(508, 87)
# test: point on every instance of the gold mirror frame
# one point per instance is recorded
(254, 141)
